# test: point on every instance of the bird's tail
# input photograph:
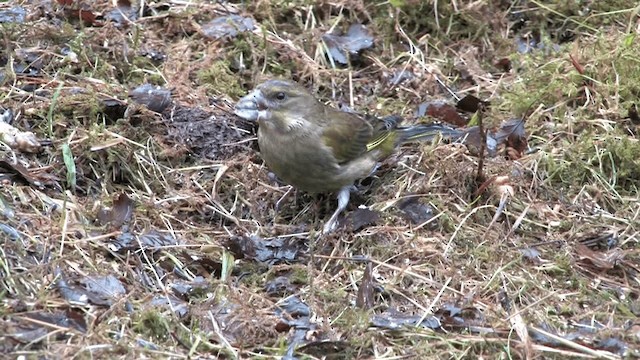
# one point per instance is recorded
(427, 132)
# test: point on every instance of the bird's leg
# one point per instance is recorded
(375, 168)
(343, 201)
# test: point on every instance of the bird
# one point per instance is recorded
(319, 149)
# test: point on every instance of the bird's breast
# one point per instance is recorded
(302, 160)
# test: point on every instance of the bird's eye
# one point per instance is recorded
(281, 96)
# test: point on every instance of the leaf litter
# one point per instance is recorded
(142, 204)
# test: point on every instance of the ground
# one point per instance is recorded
(139, 221)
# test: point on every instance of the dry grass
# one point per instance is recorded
(134, 234)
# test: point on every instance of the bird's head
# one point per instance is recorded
(280, 101)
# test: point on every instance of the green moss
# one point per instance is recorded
(299, 275)
(335, 300)
(219, 80)
(446, 223)
(609, 160)
(354, 319)
(562, 264)
(152, 324)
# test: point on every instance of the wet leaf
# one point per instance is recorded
(454, 317)
(342, 47)
(97, 290)
(545, 334)
(401, 76)
(471, 104)
(525, 45)
(294, 314)
(172, 303)
(123, 13)
(155, 98)
(70, 293)
(614, 345)
(227, 26)
(152, 239)
(513, 135)
(28, 334)
(361, 218)
(393, 319)
(10, 232)
(16, 14)
(186, 289)
(70, 319)
(473, 140)
(415, 210)
(86, 16)
(275, 251)
(280, 286)
(108, 288)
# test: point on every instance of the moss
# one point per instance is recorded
(610, 160)
(152, 324)
(356, 320)
(299, 275)
(219, 80)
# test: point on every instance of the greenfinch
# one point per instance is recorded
(317, 148)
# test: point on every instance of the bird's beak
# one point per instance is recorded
(248, 108)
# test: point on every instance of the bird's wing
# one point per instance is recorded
(347, 134)
(350, 135)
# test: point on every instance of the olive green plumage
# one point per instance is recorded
(317, 148)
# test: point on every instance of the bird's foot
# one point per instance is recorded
(330, 226)
(343, 201)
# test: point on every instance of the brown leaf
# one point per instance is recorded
(503, 64)
(365, 290)
(513, 135)
(443, 111)
(471, 104)
(361, 218)
(21, 172)
(119, 214)
(606, 260)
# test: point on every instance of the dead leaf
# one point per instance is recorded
(227, 26)
(119, 214)
(442, 111)
(605, 260)
(365, 300)
(24, 141)
(342, 47)
(155, 98)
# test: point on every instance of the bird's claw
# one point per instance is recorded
(343, 200)
(330, 226)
